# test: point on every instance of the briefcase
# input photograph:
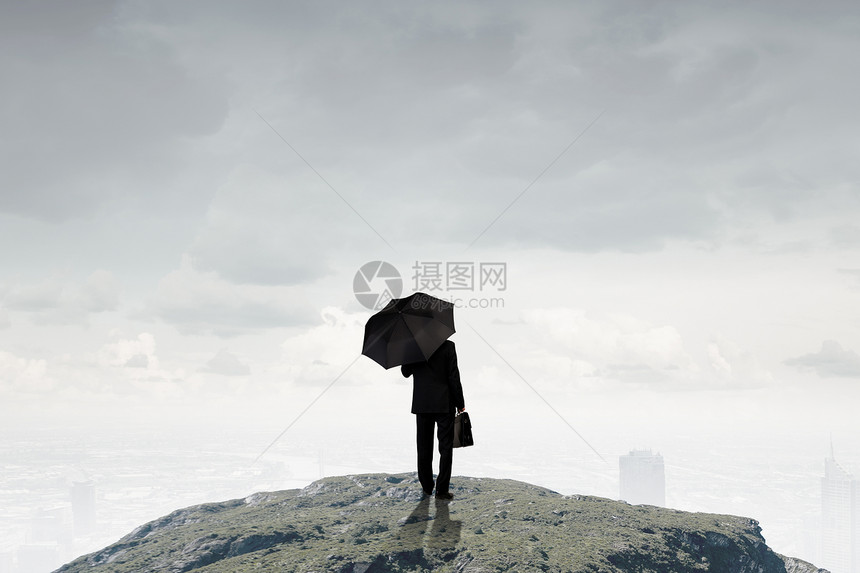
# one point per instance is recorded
(463, 431)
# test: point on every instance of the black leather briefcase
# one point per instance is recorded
(463, 431)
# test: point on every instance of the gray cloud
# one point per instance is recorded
(44, 295)
(137, 361)
(852, 277)
(262, 229)
(61, 300)
(709, 117)
(845, 236)
(428, 120)
(831, 361)
(226, 364)
(96, 110)
(228, 318)
(100, 293)
(201, 302)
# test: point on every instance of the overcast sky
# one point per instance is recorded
(188, 189)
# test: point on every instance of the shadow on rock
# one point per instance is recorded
(416, 532)
(413, 528)
(445, 533)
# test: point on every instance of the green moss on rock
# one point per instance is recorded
(378, 522)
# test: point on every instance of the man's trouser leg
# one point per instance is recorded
(424, 438)
(445, 436)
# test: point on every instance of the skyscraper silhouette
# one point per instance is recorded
(83, 495)
(642, 478)
(840, 518)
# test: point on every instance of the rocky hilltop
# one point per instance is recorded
(379, 522)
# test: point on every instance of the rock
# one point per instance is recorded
(380, 522)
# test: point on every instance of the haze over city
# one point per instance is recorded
(188, 191)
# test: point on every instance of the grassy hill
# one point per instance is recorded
(378, 522)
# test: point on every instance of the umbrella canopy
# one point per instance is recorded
(408, 330)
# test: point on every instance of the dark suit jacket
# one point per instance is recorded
(436, 387)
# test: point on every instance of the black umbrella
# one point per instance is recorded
(408, 330)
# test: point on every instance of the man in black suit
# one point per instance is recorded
(436, 394)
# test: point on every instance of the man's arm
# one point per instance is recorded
(454, 385)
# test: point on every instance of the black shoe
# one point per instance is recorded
(427, 493)
(444, 495)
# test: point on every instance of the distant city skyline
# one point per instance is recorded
(139, 477)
